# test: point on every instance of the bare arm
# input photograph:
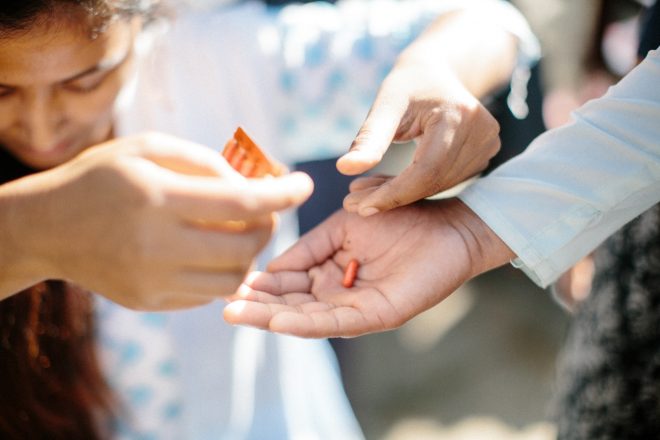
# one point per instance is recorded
(20, 266)
(479, 52)
(151, 222)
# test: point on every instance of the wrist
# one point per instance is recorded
(486, 249)
(23, 261)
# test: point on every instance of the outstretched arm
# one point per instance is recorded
(151, 222)
(549, 208)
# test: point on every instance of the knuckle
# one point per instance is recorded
(395, 201)
(488, 122)
(130, 189)
(495, 146)
(363, 136)
(480, 168)
(243, 198)
(495, 126)
(437, 116)
(248, 204)
(152, 139)
(144, 194)
(442, 117)
(428, 175)
(437, 113)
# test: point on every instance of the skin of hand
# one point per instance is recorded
(574, 286)
(410, 259)
(151, 222)
(558, 103)
(433, 100)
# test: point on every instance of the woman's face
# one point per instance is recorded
(58, 86)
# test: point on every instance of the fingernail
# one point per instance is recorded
(366, 212)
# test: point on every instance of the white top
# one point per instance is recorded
(576, 185)
(300, 80)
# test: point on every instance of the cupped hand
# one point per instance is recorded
(153, 222)
(456, 137)
(410, 259)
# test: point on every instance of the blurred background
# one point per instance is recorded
(483, 364)
(479, 365)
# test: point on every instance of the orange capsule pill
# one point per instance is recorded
(350, 273)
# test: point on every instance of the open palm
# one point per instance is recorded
(410, 259)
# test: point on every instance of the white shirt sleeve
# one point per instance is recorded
(576, 185)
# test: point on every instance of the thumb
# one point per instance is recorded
(374, 137)
(313, 248)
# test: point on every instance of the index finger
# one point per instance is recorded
(375, 135)
(182, 156)
(424, 177)
(212, 199)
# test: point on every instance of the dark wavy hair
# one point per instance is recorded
(20, 15)
(51, 384)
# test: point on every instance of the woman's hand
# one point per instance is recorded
(151, 222)
(456, 137)
(432, 96)
(410, 259)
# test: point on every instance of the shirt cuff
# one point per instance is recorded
(532, 262)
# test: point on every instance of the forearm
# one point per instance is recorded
(21, 265)
(473, 47)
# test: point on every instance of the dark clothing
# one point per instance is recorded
(609, 375)
(650, 36)
(10, 168)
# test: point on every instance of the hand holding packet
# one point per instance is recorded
(246, 157)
